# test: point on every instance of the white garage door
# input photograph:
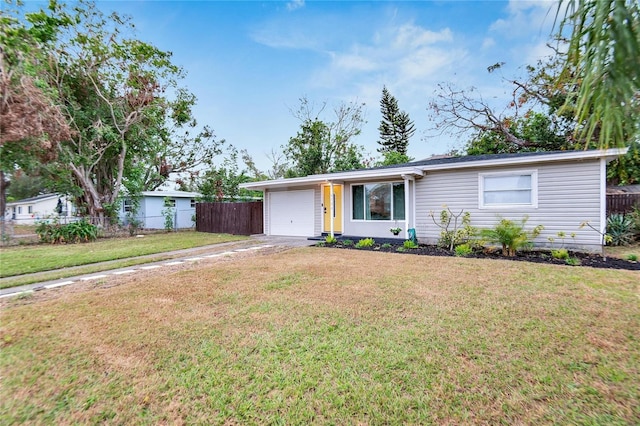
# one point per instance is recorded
(292, 213)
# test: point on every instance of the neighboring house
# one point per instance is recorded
(180, 205)
(559, 190)
(30, 210)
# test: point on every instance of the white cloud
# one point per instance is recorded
(295, 4)
(488, 43)
(526, 18)
(400, 55)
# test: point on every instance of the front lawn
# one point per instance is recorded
(45, 257)
(312, 336)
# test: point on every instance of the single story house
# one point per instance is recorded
(559, 190)
(30, 210)
(154, 205)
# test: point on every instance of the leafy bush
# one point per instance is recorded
(511, 235)
(634, 215)
(74, 232)
(560, 253)
(365, 242)
(347, 243)
(573, 261)
(408, 244)
(455, 229)
(632, 257)
(463, 250)
(386, 245)
(620, 229)
(330, 239)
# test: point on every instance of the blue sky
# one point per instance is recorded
(249, 62)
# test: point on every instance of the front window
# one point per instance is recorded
(30, 209)
(508, 189)
(169, 202)
(378, 201)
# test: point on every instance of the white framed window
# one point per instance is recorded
(19, 209)
(30, 209)
(169, 202)
(378, 201)
(127, 205)
(508, 189)
(193, 203)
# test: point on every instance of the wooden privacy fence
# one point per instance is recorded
(622, 203)
(230, 218)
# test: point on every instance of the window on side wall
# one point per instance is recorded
(508, 189)
(378, 201)
(128, 205)
(193, 203)
(169, 202)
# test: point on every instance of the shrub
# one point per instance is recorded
(620, 229)
(386, 245)
(330, 239)
(463, 250)
(635, 218)
(74, 232)
(408, 244)
(458, 232)
(573, 261)
(511, 235)
(632, 257)
(560, 253)
(365, 242)
(347, 243)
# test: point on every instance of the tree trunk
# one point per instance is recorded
(4, 184)
(93, 202)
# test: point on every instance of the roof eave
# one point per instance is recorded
(334, 177)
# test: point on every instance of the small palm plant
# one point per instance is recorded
(511, 235)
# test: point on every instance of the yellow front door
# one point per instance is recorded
(332, 211)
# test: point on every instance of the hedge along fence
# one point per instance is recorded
(622, 203)
(230, 218)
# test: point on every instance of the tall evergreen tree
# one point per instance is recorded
(395, 127)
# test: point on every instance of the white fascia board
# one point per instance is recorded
(334, 177)
(418, 171)
(608, 154)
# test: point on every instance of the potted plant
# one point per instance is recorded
(395, 231)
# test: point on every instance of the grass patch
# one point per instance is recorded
(622, 251)
(286, 339)
(25, 260)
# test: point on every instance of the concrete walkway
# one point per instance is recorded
(177, 257)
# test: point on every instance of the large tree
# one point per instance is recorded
(114, 92)
(31, 122)
(395, 127)
(323, 147)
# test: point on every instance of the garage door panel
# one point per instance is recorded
(291, 213)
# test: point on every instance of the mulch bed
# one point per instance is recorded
(537, 256)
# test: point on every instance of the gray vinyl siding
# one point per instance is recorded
(568, 194)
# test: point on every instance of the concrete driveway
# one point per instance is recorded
(255, 244)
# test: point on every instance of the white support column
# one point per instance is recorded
(407, 217)
(332, 206)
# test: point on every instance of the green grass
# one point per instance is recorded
(80, 270)
(284, 339)
(29, 259)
